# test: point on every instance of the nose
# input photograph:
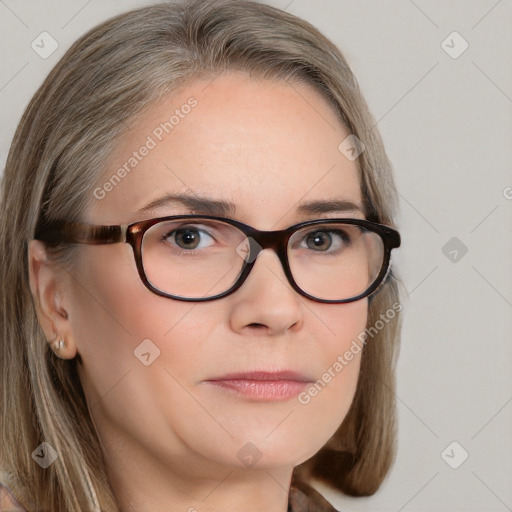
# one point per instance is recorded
(266, 303)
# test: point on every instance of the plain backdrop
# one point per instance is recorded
(438, 78)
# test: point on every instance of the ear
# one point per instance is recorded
(49, 285)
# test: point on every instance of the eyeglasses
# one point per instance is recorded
(202, 257)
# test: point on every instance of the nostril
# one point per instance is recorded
(255, 329)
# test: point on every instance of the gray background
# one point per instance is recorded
(446, 123)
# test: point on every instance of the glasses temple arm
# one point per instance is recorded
(77, 232)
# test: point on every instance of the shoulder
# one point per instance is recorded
(303, 498)
(8, 502)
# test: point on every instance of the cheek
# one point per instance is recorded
(116, 319)
(329, 398)
(112, 303)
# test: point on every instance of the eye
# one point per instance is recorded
(323, 240)
(189, 238)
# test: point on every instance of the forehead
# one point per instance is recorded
(263, 145)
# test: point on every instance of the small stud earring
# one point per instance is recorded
(58, 345)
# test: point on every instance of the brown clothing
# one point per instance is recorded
(305, 499)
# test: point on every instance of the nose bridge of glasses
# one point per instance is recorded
(256, 241)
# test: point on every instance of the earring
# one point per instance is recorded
(58, 345)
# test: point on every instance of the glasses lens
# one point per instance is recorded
(335, 261)
(193, 258)
(201, 258)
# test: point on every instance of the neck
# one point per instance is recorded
(142, 484)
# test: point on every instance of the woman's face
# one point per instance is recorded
(267, 147)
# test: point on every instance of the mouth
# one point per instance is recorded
(262, 386)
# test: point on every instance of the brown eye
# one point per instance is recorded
(320, 240)
(323, 240)
(187, 238)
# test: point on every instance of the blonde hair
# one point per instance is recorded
(107, 77)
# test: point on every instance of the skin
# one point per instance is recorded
(169, 437)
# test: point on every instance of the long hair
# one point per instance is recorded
(109, 76)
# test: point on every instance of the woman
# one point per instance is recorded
(198, 312)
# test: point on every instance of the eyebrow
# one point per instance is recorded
(221, 208)
(196, 204)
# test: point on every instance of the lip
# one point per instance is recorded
(262, 385)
